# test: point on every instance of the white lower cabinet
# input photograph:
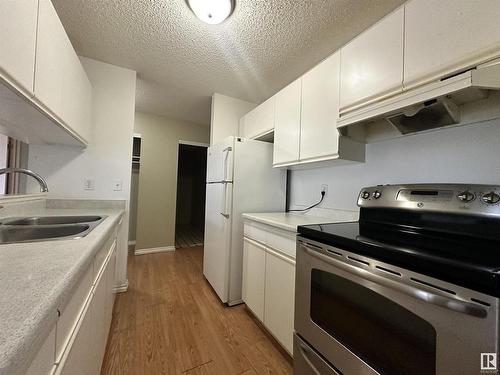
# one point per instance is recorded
(43, 364)
(80, 355)
(269, 289)
(254, 260)
(84, 352)
(280, 298)
(77, 342)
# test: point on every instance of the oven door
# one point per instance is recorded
(368, 317)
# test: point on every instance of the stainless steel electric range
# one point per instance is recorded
(411, 288)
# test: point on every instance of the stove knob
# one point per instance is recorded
(490, 198)
(365, 195)
(377, 194)
(466, 196)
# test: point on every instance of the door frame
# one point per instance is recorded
(179, 143)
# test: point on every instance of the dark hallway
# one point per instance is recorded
(190, 207)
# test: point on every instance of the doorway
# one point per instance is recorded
(134, 190)
(190, 205)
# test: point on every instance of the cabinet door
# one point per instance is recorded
(77, 95)
(444, 36)
(258, 121)
(287, 124)
(320, 98)
(61, 83)
(280, 298)
(372, 63)
(82, 352)
(110, 288)
(51, 59)
(100, 316)
(17, 41)
(254, 268)
(43, 363)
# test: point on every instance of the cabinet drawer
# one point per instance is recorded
(72, 312)
(101, 257)
(255, 233)
(273, 237)
(284, 242)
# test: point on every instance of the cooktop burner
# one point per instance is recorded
(450, 232)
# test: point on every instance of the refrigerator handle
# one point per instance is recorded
(224, 160)
(224, 202)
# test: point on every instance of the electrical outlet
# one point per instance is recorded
(117, 184)
(324, 188)
(88, 184)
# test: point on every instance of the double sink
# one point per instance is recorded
(46, 228)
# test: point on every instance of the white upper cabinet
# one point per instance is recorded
(319, 138)
(287, 124)
(259, 121)
(17, 42)
(77, 96)
(446, 36)
(51, 59)
(61, 84)
(372, 63)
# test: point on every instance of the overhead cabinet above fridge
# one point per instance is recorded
(45, 94)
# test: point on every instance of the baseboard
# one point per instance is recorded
(122, 288)
(154, 250)
(130, 243)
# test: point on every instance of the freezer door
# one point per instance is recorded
(220, 161)
(216, 254)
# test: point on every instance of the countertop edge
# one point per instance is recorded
(274, 223)
(17, 360)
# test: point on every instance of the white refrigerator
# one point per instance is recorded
(240, 179)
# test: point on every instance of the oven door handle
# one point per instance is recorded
(456, 305)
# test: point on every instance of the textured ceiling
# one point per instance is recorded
(181, 61)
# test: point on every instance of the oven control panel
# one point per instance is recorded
(463, 198)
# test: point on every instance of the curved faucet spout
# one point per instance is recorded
(36, 176)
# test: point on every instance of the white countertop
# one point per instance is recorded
(37, 279)
(291, 220)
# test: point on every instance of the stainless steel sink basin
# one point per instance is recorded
(46, 228)
(12, 234)
(51, 220)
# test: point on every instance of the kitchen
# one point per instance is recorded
(351, 172)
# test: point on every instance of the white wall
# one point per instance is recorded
(468, 154)
(226, 114)
(109, 155)
(157, 197)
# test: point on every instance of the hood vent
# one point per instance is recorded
(430, 106)
(431, 114)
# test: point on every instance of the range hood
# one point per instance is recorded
(433, 105)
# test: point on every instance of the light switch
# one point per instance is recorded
(117, 184)
(89, 184)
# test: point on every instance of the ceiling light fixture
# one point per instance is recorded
(211, 11)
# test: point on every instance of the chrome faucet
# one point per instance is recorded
(36, 176)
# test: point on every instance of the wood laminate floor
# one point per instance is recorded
(171, 322)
